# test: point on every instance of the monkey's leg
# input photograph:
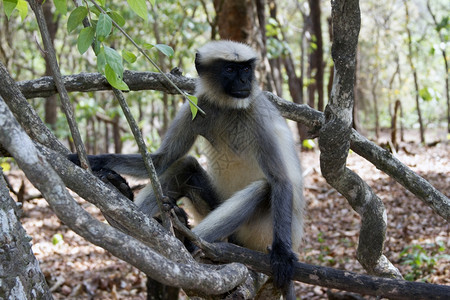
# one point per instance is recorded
(184, 178)
(235, 211)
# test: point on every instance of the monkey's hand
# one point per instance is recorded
(282, 261)
(97, 162)
(106, 175)
(111, 177)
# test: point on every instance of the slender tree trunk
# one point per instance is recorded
(51, 103)
(375, 105)
(316, 57)
(414, 71)
(444, 56)
(397, 111)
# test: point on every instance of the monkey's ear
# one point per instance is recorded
(198, 65)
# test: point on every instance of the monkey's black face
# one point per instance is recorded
(237, 78)
(233, 78)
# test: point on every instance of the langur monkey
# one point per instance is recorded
(251, 192)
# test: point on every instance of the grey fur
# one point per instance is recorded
(253, 185)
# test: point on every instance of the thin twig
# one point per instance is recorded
(146, 157)
(50, 56)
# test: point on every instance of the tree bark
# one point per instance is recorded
(235, 19)
(415, 76)
(51, 103)
(316, 57)
(334, 142)
(20, 275)
(186, 273)
(297, 112)
(444, 56)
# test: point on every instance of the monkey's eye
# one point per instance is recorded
(246, 69)
(229, 69)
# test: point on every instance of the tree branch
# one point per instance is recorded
(88, 82)
(188, 276)
(334, 143)
(50, 57)
(332, 278)
(25, 114)
(382, 159)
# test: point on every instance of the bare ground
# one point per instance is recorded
(76, 269)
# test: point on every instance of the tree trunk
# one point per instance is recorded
(375, 106)
(414, 71)
(21, 277)
(334, 143)
(444, 56)
(51, 103)
(316, 57)
(235, 19)
(397, 111)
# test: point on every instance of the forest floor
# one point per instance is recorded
(418, 240)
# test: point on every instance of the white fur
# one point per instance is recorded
(226, 50)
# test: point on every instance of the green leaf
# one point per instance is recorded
(57, 238)
(61, 6)
(166, 50)
(85, 39)
(129, 56)
(76, 18)
(117, 18)
(148, 46)
(194, 109)
(114, 80)
(104, 26)
(8, 7)
(102, 2)
(153, 2)
(101, 61)
(97, 46)
(114, 60)
(425, 94)
(6, 166)
(139, 7)
(308, 144)
(22, 7)
(95, 10)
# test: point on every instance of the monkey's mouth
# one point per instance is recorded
(241, 94)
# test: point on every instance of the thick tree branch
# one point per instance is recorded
(88, 82)
(19, 269)
(382, 159)
(25, 114)
(332, 278)
(41, 174)
(334, 142)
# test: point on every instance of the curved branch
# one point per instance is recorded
(25, 114)
(86, 82)
(40, 173)
(334, 143)
(332, 278)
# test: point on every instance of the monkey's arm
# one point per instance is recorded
(282, 257)
(178, 140)
(176, 143)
